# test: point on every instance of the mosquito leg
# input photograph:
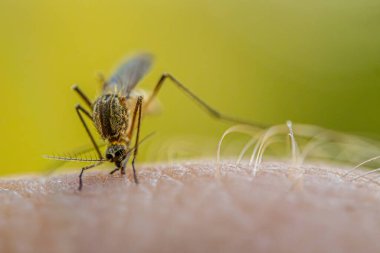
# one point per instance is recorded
(115, 170)
(82, 95)
(130, 133)
(210, 110)
(122, 170)
(135, 151)
(80, 109)
(81, 174)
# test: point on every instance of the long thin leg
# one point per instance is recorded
(82, 95)
(130, 133)
(80, 109)
(113, 171)
(136, 148)
(81, 174)
(214, 113)
(125, 161)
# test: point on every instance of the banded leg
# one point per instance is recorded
(80, 109)
(81, 174)
(210, 110)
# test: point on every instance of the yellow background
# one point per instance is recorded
(269, 61)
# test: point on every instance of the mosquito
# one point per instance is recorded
(117, 113)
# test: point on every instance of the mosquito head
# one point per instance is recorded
(116, 153)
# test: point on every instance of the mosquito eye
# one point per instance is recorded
(119, 153)
(109, 157)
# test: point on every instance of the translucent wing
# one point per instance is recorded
(128, 75)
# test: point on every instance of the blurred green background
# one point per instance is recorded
(269, 61)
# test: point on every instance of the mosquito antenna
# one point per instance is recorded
(72, 159)
(86, 157)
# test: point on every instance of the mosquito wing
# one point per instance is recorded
(128, 75)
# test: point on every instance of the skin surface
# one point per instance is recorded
(182, 207)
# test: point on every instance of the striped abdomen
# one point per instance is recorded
(111, 117)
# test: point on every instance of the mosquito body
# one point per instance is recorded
(117, 113)
(111, 114)
(111, 119)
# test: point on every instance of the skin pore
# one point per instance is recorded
(183, 207)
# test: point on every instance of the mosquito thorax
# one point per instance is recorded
(111, 116)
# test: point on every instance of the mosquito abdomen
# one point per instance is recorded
(111, 116)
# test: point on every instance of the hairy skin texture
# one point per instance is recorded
(182, 207)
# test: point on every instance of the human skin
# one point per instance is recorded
(183, 207)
